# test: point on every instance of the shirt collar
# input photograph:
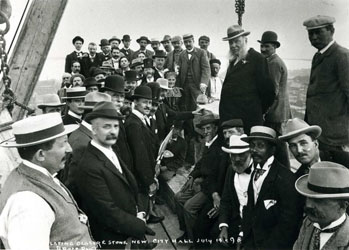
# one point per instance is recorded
(268, 163)
(105, 150)
(86, 125)
(71, 113)
(326, 48)
(38, 168)
(78, 51)
(333, 224)
(189, 51)
(139, 115)
(208, 144)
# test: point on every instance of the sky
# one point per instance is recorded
(96, 19)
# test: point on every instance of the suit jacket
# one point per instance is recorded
(157, 74)
(247, 91)
(70, 58)
(122, 148)
(339, 240)
(210, 55)
(276, 227)
(171, 61)
(129, 53)
(148, 54)
(68, 119)
(327, 103)
(140, 141)
(280, 111)
(198, 65)
(109, 198)
(87, 64)
(103, 57)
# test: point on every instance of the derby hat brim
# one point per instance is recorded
(274, 42)
(41, 106)
(314, 129)
(13, 144)
(125, 91)
(249, 138)
(140, 96)
(111, 114)
(140, 39)
(302, 188)
(244, 33)
(207, 121)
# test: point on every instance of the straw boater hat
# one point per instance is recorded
(75, 93)
(235, 31)
(326, 180)
(261, 132)
(50, 100)
(38, 129)
(163, 83)
(91, 99)
(295, 127)
(236, 145)
(104, 110)
(207, 119)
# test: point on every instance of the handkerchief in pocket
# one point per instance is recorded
(269, 203)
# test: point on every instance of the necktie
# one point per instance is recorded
(317, 232)
(316, 58)
(258, 173)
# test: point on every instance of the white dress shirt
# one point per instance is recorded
(208, 144)
(215, 87)
(190, 51)
(109, 153)
(86, 125)
(257, 185)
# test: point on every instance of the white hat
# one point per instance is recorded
(163, 83)
(236, 145)
(75, 93)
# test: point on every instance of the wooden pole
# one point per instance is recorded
(32, 47)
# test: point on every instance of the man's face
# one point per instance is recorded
(75, 104)
(126, 44)
(130, 85)
(163, 93)
(240, 161)
(77, 82)
(319, 38)
(105, 131)
(114, 43)
(143, 44)
(143, 105)
(227, 132)
(116, 98)
(99, 77)
(139, 68)
(261, 150)
(54, 158)
(215, 67)
(141, 56)
(78, 45)
(92, 89)
(210, 131)
(167, 45)
(237, 45)
(189, 43)
(267, 49)
(105, 49)
(92, 49)
(75, 68)
(323, 211)
(124, 63)
(115, 53)
(159, 62)
(171, 81)
(46, 110)
(204, 44)
(155, 46)
(126, 109)
(154, 108)
(149, 72)
(304, 149)
(66, 79)
(177, 45)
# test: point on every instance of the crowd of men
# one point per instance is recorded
(125, 120)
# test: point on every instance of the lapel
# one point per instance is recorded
(129, 176)
(339, 239)
(268, 181)
(137, 120)
(327, 53)
(234, 194)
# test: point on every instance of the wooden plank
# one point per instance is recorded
(32, 47)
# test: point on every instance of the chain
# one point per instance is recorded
(240, 10)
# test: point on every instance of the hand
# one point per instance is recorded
(216, 200)
(188, 184)
(149, 231)
(141, 216)
(203, 87)
(213, 213)
(198, 111)
(152, 188)
(223, 237)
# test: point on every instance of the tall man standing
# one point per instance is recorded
(327, 103)
(126, 40)
(143, 42)
(248, 91)
(76, 55)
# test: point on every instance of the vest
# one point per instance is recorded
(67, 230)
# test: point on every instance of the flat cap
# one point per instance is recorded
(318, 21)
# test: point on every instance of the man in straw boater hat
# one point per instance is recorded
(247, 91)
(108, 190)
(75, 98)
(51, 103)
(37, 211)
(326, 189)
(273, 213)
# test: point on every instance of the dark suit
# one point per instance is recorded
(129, 53)
(68, 119)
(157, 75)
(103, 57)
(122, 148)
(148, 54)
(109, 198)
(276, 227)
(248, 91)
(87, 63)
(172, 59)
(70, 58)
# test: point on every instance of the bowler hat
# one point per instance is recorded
(126, 38)
(131, 75)
(114, 83)
(136, 62)
(160, 53)
(167, 38)
(261, 132)
(114, 38)
(104, 42)
(78, 38)
(295, 127)
(50, 100)
(235, 31)
(155, 91)
(91, 99)
(207, 119)
(205, 38)
(75, 93)
(104, 110)
(143, 38)
(97, 71)
(318, 22)
(38, 129)
(163, 83)
(91, 81)
(148, 63)
(233, 123)
(237, 145)
(326, 180)
(142, 91)
(270, 37)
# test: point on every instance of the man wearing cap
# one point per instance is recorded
(75, 98)
(155, 44)
(204, 42)
(105, 47)
(126, 41)
(114, 41)
(273, 212)
(327, 103)
(137, 65)
(90, 60)
(37, 211)
(166, 43)
(248, 91)
(172, 58)
(143, 42)
(194, 72)
(326, 190)
(76, 55)
(51, 103)
(214, 87)
(159, 62)
(108, 190)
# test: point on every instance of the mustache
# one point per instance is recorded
(313, 212)
(111, 137)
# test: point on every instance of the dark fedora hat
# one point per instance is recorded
(114, 38)
(126, 38)
(142, 92)
(235, 31)
(104, 110)
(208, 119)
(261, 132)
(104, 42)
(155, 91)
(143, 38)
(91, 81)
(233, 123)
(160, 53)
(94, 71)
(167, 38)
(131, 75)
(270, 37)
(148, 63)
(136, 62)
(114, 83)
(205, 38)
(78, 38)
